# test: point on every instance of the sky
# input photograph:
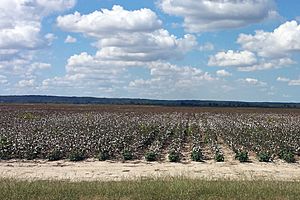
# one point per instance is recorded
(244, 50)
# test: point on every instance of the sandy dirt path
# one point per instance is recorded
(92, 170)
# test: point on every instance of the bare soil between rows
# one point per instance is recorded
(93, 170)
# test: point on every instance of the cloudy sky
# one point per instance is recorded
(160, 49)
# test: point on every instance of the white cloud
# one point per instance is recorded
(86, 64)
(20, 21)
(3, 79)
(231, 58)
(85, 72)
(157, 45)
(283, 79)
(50, 37)
(207, 47)
(171, 80)
(36, 67)
(26, 83)
(128, 35)
(21, 35)
(70, 39)
(49, 6)
(208, 15)
(280, 43)
(159, 69)
(295, 82)
(223, 73)
(110, 22)
(262, 51)
(267, 64)
(6, 54)
(124, 39)
(254, 82)
(22, 67)
(91, 73)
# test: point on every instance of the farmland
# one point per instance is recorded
(148, 152)
(57, 132)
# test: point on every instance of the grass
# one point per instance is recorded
(171, 188)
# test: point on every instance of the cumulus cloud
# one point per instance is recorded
(26, 83)
(35, 67)
(159, 69)
(157, 45)
(110, 22)
(167, 79)
(21, 36)
(280, 43)
(50, 37)
(266, 64)
(70, 39)
(128, 35)
(223, 73)
(262, 51)
(283, 79)
(208, 15)
(20, 21)
(22, 66)
(295, 82)
(253, 81)
(207, 47)
(86, 64)
(3, 79)
(231, 58)
(48, 6)
(123, 39)
(84, 70)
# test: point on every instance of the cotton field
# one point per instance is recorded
(131, 132)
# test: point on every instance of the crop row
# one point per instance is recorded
(31, 134)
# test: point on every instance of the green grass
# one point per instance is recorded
(171, 188)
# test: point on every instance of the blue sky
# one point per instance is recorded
(245, 50)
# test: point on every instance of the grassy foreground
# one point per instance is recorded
(172, 188)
